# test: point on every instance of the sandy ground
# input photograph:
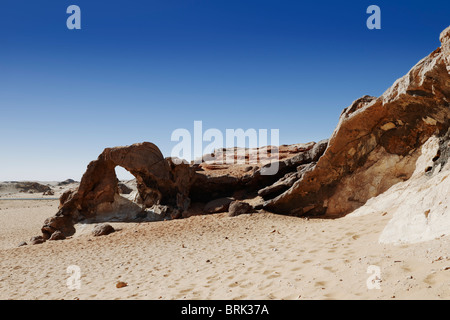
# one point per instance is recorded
(257, 256)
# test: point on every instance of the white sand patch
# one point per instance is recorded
(419, 207)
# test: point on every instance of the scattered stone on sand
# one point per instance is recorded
(121, 284)
(238, 208)
(66, 182)
(102, 229)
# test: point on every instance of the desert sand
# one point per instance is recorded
(251, 256)
(380, 185)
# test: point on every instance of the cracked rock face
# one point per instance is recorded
(376, 143)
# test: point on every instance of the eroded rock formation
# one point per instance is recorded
(376, 143)
(166, 188)
(32, 187)
(419, 206)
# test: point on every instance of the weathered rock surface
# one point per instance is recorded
(376, 143)
(121, 284)
(238, 208)
(37, 240)
(123, 188)
(49, 193)
(59, 222)
(166, 187)
(419, 206)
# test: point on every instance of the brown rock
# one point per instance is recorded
(376, 142)
(102, 229)
(218, 205)
(168, 183)
(57, 235)
(229, 179)
(124, 189)
(37, 240)
(49, 193)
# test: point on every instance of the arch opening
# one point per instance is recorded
(123, 175)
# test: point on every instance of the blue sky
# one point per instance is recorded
(138, 70)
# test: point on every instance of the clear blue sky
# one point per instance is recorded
(137, 70)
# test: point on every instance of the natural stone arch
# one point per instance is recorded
(159, 182)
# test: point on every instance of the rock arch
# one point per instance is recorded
(159, 182)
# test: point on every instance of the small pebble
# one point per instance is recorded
(121, 284)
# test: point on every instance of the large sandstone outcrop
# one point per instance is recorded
(379, 143)
(419, 206)
(159, 181)
(376, 143)
(166, 188)
(215, 179)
